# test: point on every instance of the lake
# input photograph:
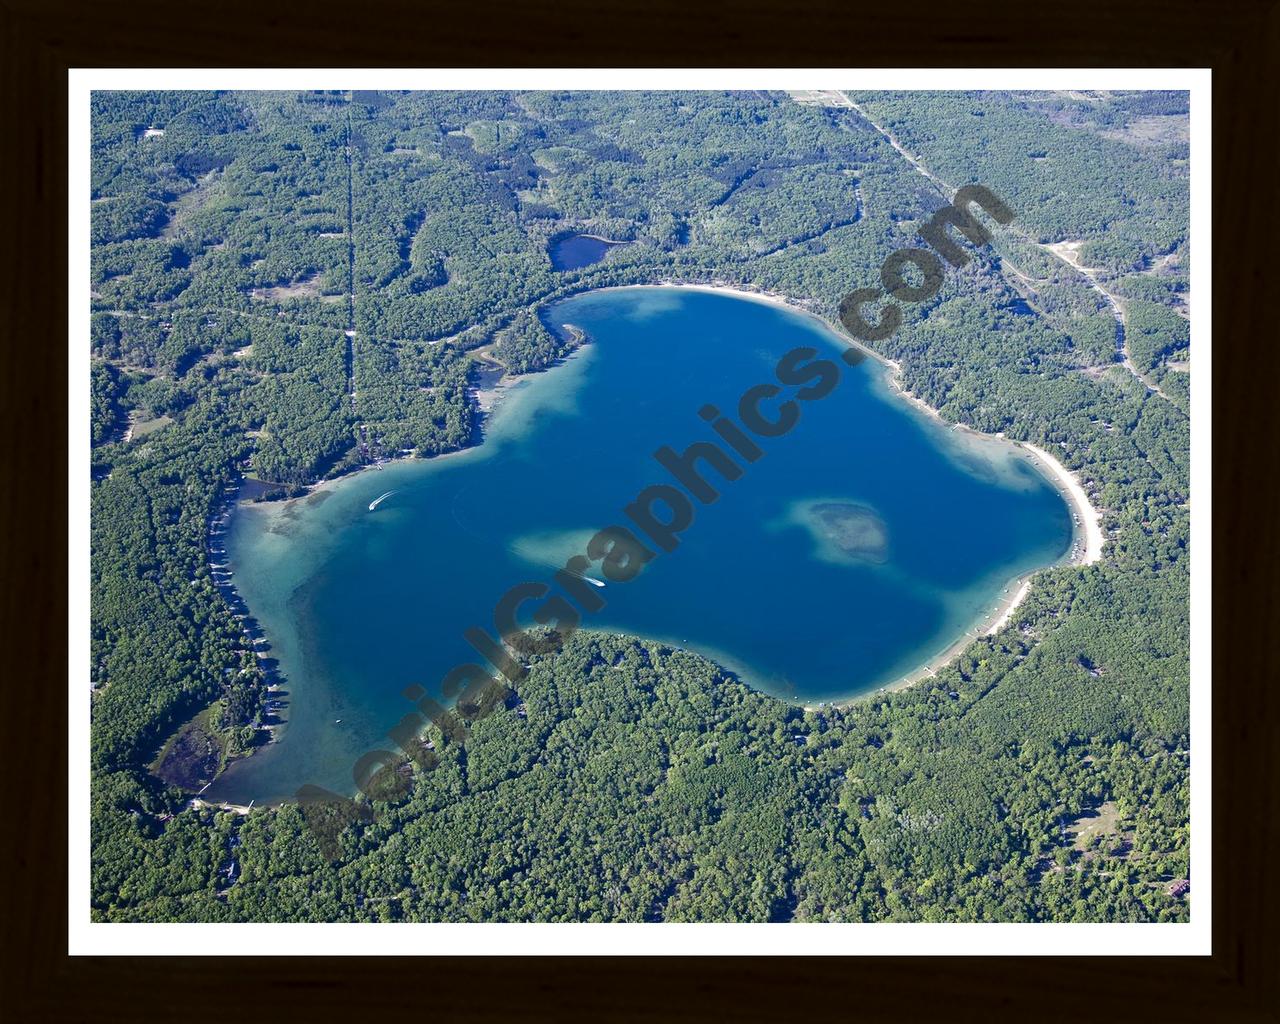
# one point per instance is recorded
(574, 251)
(864, 542)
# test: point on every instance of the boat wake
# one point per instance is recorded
(379, 500)
(515, 549)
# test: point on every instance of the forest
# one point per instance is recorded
(288, 286)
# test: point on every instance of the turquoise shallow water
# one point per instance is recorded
(358, 604)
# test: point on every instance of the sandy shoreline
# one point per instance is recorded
(1007, 613)
(1090, 519)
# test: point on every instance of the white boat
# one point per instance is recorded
(379, 500)
(581, 575)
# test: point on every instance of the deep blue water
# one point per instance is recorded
(358, 605)
(574, 251)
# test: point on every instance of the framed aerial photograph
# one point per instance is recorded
(669, 512)
(576, 502)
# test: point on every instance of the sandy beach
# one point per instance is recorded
(1090, 519)
(1009, 607)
